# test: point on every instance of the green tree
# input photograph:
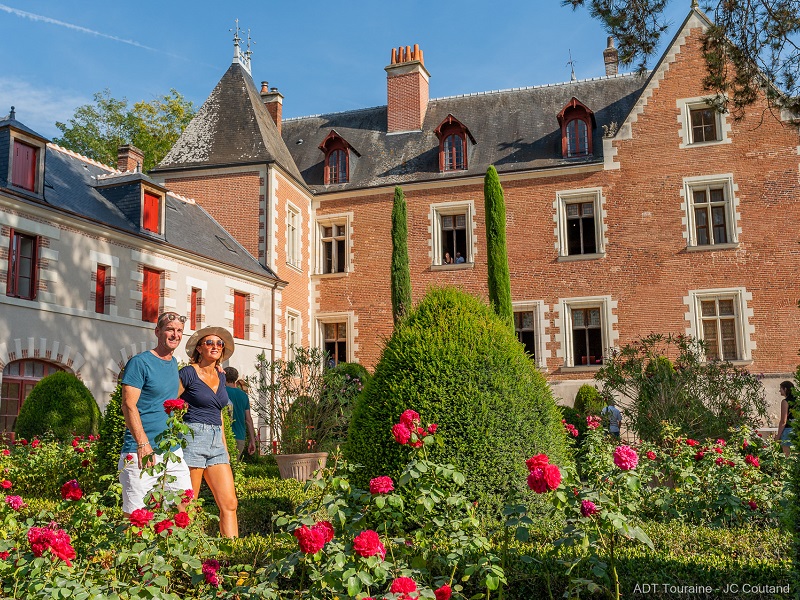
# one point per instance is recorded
(752, 45)
(99, 128)
(496, 249)
(400, 273)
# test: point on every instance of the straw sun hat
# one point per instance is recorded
(220, 332)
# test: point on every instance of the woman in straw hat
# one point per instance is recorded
(206, 453)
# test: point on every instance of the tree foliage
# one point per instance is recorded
(98, 129)
(496, 249)
(752, 46)
(401, 275)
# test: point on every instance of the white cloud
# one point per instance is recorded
(36, 106)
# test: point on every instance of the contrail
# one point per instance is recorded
(43, 19)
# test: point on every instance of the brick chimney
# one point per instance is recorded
(273, 100)
(611, 57)
(129, 158)
(407, 86)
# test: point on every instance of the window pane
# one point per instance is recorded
(709, 308)
(595, 346)
(340, 230)
(28, 368)
(589, 242)
(699, 196)
(461, 242)
(340, 256)
(327, 257)
(710, 338)
(587, 208)
(726, 307)
(528, 340)
(461, 221)
(574, 237)
(447, 221)
(717, 195)
(572, 210)
(728, 330)
(594, 317)
(330, 331)
(327, 232)
(577, 318)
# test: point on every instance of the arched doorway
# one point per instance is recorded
(19, 377)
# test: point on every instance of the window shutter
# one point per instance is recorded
(24, 170)
(151, 219)
(150, 295)
(193, 310)
(100, 290)
(11, 279)
(35, 268)
(238, 315)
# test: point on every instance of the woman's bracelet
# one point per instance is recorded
(142, 445)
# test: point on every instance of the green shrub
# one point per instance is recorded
(60, 404)
(588, 401)
(230, 442)
(112, 431)
(457, 364)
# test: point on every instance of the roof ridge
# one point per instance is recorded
(484, 93)
(181, 198)
(91, 161)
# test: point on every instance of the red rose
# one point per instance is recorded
(588, 508)
(128, 457)
(720, 460)
(210, 568)
(35, 443)
(410, 418)
(310, 541)
(23, 442)
(61, 547)
(40, 538)
(325, 528)
(188, 496)
(99, 513)
(74, 443)
(443, 593)
(4, 555)
(165, 525)
(718, 450)
(552, 477)
(368, 543)
(699, 455)
(401, 434)
(691, 442)
(720, 442)
(432, 428)
(752, 460)
(538, 461)
(6, 452)
(85, 463)
(182, 520)
(172, 405)
(752, 504)
(536, 481)
(403, 585)
(6, 484)
(71, 490)
(651, 455)
(381, 485)
(141, 517)
(80, 450)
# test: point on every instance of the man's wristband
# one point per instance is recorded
(142, 445)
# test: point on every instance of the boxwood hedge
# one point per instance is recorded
(60, 404)
(457, 364)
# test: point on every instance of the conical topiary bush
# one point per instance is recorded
(456, 363)
(60, 404)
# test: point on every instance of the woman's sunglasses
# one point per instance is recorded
(217, 343)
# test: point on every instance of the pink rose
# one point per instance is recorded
(625, 457)
(592, 422)
(401, 434)
(588, 508)
(381, 485)
(15, 502)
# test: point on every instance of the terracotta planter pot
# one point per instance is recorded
(300, 466)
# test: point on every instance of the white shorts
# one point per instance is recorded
(136, 484)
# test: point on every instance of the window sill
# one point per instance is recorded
(713, 247)
(710, 143)
(740, 362)
(581, 369)
(295, 267)
(330, 275)
(455, 267)
(574, 257)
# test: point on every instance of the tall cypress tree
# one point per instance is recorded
(401, 274)
(496, 250)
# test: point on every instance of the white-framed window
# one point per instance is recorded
(580, 220)
(529, 325)
(334, 244)
(335, 335)
(587, 330)
(701, 124)
(293, 231)
(292, 332)
(710, 208)
(721, 318)
(453, 236)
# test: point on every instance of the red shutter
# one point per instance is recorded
(150, 295)
(193, 310)
(100, 290)
(11, 279)
(238, 314)
(151, 219)
(24, 170)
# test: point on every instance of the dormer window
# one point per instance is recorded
(151, 212)
(337, 158)
(24, 166)
(452, 136)
(576, 129)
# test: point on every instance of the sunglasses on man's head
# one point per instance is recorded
(169, 317)
(217, 343)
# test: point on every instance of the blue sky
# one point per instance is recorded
(323, 56)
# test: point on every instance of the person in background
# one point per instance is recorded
(206, 453)
(614, 417)
(459, 258)
(242, 419)
(149, 379)
(447, 260)
(786, 423)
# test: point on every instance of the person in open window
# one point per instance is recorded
(447, 260)
(206, 453)
(786, 424)
(459, 258)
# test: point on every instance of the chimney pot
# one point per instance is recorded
(264, 87)
(407, 82)
(611, 57)
(129, 159)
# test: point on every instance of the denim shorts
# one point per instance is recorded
(787, 431)
(207, 448)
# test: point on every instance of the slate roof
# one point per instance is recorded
(8, 121)
(70, 184)
(232, 127)
(514, 129)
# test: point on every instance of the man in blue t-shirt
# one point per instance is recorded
(242, 419)
(149, 379)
